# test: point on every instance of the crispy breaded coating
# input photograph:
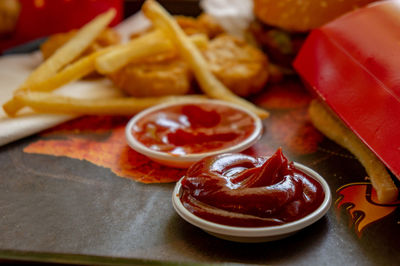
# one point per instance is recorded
(158, 76)
(190, 25)
(240, 66)
(54, 42)
(106, 38)
(204, 24)
(211, 25)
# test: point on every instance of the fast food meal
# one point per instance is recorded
(148, 66)
(163, 63)
(239, 66)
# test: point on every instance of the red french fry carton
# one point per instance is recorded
(41, 18)
(353, 65)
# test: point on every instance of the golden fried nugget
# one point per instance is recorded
(190, 25)
(208, 83)
(54, 42)
(239, 66)
(203, 24)
(212, 27)
(159, 75)
(106, 38)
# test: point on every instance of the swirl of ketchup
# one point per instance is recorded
(241, 190)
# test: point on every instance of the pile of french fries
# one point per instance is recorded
(63, 67)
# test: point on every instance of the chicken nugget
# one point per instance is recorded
(203, 24)
(239, 66)
(211, 26)
(157, 76)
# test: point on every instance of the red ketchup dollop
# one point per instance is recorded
(193, 128)
(241, 190)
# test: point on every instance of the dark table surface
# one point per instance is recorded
(69, 194)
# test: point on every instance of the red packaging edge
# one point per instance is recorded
(354, 94)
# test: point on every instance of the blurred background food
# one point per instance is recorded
(301, 16)
(24, 20)
(279, 29)
(35, 19)
(282, 26)
(9, 13)
(240, 66)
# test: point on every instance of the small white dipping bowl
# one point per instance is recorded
(256, 234)
(184, 161)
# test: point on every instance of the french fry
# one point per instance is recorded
(53, 103)
(63, 56)
(84, 66)
(207, 81)
(71, 73)
(200, 40)
(149, 44)
(334, 129)
(143, 46)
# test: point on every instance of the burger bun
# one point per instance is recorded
(303, 15)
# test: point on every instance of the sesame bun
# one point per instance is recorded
(303, 15)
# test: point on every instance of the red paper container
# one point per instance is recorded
(353, 64)
(39, 18)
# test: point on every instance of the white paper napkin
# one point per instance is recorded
(233, 15)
